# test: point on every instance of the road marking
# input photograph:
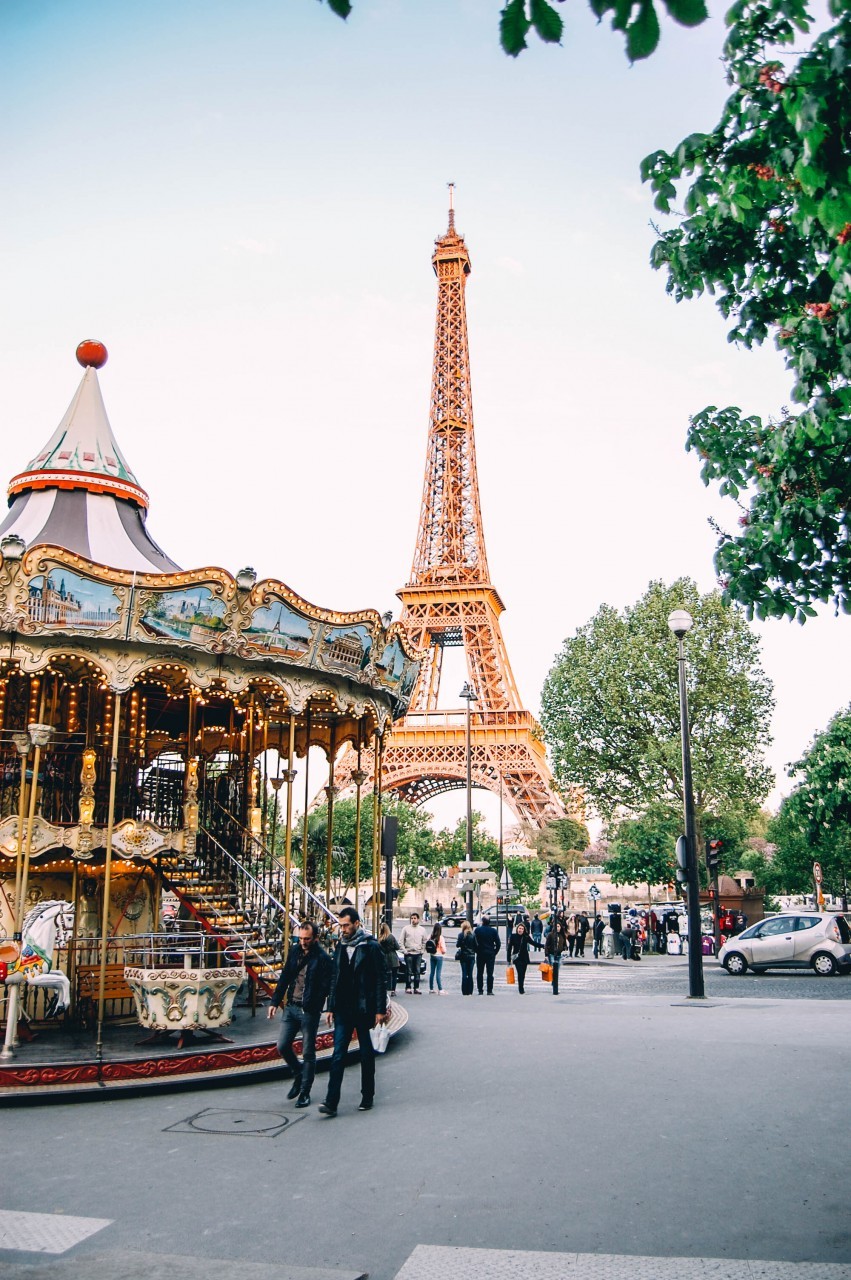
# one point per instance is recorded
(45, 1232)
(435, 1262)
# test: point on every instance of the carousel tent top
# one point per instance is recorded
(79, 493)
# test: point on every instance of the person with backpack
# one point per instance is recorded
(436, 949)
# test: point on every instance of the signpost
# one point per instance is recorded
(817, 877)
(471, 873)
(594, 894)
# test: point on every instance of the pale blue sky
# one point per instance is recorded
(241, 202)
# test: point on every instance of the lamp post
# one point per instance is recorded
(680, 624)
(468, 694)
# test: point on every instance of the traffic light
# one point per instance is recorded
(713, 854)
(682, 860)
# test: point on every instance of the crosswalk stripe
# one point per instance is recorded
(45, 1232)
(435, 1262)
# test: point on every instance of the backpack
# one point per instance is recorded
(431, 946)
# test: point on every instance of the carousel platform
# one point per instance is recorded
(61, 1064)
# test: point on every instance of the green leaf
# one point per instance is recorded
(546, 21)
(689, 13)
(513, 27)
(342, 8)
(642, 35)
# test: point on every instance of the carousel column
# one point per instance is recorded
(330, 793)
(22, 742)
(289, 778)
(107, 871)
(376, 834)
(306, 807)
(359, 778)
(88, 778)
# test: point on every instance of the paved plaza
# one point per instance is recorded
(616, 1130)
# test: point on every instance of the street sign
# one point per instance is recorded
(505, 880)
(468, 865)
(817, 872)
(593, 892)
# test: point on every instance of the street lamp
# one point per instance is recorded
(468, 694)
(680, 623)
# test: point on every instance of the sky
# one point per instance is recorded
(241, 202)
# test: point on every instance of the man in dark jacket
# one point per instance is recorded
(305, 981)
(357, 1002)
(487, 948)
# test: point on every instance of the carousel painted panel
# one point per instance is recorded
(279, 631)
(68, 602)
(347, 649)
(194, 615)
(183, 998)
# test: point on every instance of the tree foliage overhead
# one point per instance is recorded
(766, 229)
(638, 20)
(610, 707)
(643, 849)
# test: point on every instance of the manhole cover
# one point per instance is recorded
(234, 1120)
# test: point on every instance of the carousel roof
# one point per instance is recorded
(79, 493)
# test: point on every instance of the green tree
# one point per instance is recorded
(814, 823)
(527, 874)
(610, 708)
(643, 849)
(452, 844)
(560, 841)
(766, 229)
(416, 843)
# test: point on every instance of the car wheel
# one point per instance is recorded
(824, 965)
(735, 963)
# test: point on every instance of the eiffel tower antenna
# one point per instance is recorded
(450, 601)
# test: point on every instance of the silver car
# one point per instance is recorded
(792, 940)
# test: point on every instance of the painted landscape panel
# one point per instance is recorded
(278, 630)
(63, 599)
(193, 614)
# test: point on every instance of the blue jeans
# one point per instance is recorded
(298, 1022)
(435, 971)
(344, 1025)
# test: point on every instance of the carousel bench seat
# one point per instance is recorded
(88, 987)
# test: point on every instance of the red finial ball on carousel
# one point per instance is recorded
(91, 354)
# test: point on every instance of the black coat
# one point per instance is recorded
(487, 940)
(369, 981)
(317, 982)
(519, 945)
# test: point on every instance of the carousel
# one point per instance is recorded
(155, 724)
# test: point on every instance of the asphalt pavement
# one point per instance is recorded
(617, 1123)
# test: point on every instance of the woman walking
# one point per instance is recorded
(571, 934)
(436, 949)
(465, 954)
(518, 948)
(390, 951)
(555, 949)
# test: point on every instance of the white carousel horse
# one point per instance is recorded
(33, 961)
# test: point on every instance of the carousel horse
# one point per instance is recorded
(31, 960)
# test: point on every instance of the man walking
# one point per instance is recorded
(412, 940)
(357, 1002)
(487, 949)
(305, 982)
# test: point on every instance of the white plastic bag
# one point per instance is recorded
(380, 1037)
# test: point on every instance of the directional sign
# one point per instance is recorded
(468, 865)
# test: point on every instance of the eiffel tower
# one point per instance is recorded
(450, 601)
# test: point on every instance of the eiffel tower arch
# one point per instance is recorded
(450, 602)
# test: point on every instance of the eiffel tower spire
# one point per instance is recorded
(450, 601)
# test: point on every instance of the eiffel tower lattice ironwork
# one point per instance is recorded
(450, 601)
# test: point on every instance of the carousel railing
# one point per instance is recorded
(271, 866)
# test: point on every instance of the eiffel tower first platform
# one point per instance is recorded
(450, 601)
